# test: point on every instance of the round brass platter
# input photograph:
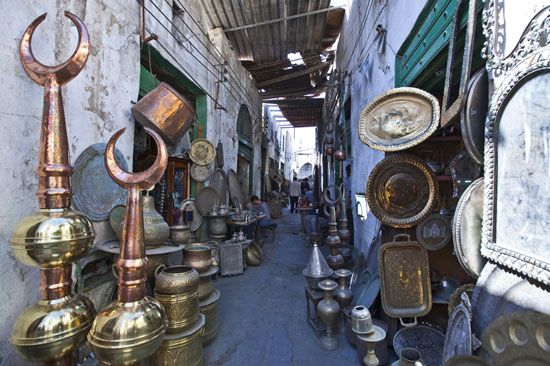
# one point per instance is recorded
(200, 173)
(401, 191)
(202, 152)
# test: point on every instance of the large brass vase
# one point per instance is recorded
(209, 308)
(328, 310)
(183, 348)
(54, 237)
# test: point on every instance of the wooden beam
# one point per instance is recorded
(290, 93)
(293, 75)
(277, 20)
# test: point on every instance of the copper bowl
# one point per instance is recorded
(198, 256)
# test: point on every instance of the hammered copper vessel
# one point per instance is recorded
(54, 237)
(132, 327)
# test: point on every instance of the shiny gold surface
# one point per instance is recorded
(124, 333)
(405, 285)
(52, 329)
(253, 255)
(202, 152)
(205, 283)
(52, 238)
(402, 191)
(182, 310)
(209, 308)
(183, 348)
(198, 256)
(175, 280)
(166, 111)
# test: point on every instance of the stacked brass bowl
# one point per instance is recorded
(177, 289)
(199, 256)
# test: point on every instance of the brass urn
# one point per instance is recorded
(343, 293)
(55, 236)
(328, 310)
(198, 256)
(132, 327)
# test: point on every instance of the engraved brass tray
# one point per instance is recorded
(202, 152)
(207, 199)
(518, 338)
(200, 173)
(404, 278)
(399, 119)
(402, 191)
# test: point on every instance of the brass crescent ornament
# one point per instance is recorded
(402, 191)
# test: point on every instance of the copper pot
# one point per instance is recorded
(198, 256)
(175, 280)
(165, 111)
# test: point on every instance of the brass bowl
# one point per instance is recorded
(180, 233)
(205, 283)
(183, 348)
(182, 310)
(198, 256)
(51, 330)
(125, 333)
(176, 280)
(52, 238)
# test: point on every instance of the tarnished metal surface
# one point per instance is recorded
(218, 181)
(235, 191)
(404, 278)
(399, 119)
(474, 114)
(219, 155)
(191, 205)
(200, 173)
(425, 339)
(95, 193)
(435, 232)
(463, 171)
(401, 190)
(519, 338)
(467, 229)
(166, 111)
(202, 152)
(459, 337)
(206, 200)
(231, 257)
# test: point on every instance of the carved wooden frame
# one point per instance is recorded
(530, 58)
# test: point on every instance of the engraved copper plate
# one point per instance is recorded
(467, 229)
(519, 338)
(218, 181)
(399, 119)
(435, 232)
(200, 173)
(191, 205)
(404, 278)
(402, 191)
(95, 192)
(202, 152)
(473, 115)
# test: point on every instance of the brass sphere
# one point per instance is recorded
(52, 329)
(52, 238)
(125, 333)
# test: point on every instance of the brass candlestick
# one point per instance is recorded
(377, 335)
(132, 327)
(54, 237)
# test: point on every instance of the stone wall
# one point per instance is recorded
(97, 103)
(370, 73)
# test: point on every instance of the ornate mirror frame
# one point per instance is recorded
(529, 59)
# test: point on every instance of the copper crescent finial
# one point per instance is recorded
(63, 73)
(141, 180)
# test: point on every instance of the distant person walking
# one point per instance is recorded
(304, 186)
(295, 191)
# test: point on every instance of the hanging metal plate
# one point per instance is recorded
(200, 173)
(202, 152)
(399, 119)
(467, 229)
(235, 191)
(473, 115)
(434, 233)
(218, 181)
(219, 155)
(404, 278)
(402, 191)
(190, 204)
(207, 199)
(95, 192)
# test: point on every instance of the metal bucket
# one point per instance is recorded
(182, 310)
(209, 308)
(183, 348)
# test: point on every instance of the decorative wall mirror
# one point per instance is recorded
(516, 223)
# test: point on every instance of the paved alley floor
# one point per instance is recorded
(262, 313)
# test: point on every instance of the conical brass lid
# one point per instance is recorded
(317, 265)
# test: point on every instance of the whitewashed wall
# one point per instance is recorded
(371, 73)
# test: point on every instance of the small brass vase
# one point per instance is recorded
(343, 293)
(328, 310)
